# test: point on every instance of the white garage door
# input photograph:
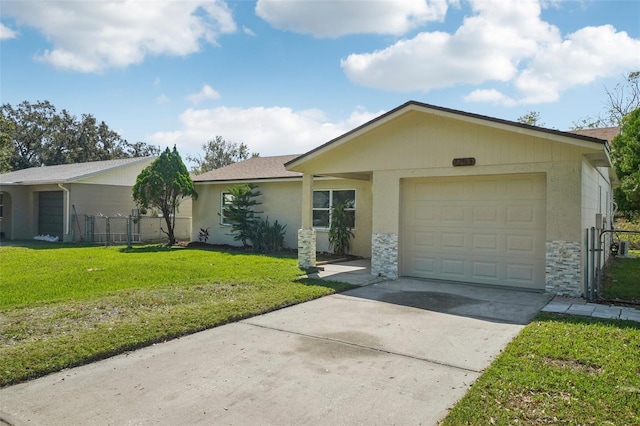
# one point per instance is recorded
(488, 230)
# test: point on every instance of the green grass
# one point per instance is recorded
(63, 306)
(560, 370)
(623, 279)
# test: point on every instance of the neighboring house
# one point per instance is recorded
(439, 194)
(43, 200)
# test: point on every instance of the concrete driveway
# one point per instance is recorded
(399, 352)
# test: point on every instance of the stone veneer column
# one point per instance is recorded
(384, 255)
(306, 248)
(564, 268)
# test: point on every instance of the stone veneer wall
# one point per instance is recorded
(384, 255)
(306, 248)
(564, 268)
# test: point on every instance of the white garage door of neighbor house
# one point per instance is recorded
(488, 230)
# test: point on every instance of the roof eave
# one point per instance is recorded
(245, 180)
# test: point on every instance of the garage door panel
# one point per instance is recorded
(426, 239)
(480, 229)
(487, 213)
(486, 242)
(521, 245)
(453, 268)
(485, 270)
(523, 273)
(453, 240)
(426, 265)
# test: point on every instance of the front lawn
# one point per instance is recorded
(63, 306)
(560, 370)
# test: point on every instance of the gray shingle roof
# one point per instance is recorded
(65, 172)
(252, 169)
(605, 133)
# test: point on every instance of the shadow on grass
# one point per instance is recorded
(230, 250)
(337, 286)
(45, 245)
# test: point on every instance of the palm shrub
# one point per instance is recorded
(340, 230)
(239, 212)
(267, 237)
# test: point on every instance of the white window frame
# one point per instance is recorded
(330, 208)
(224, 196)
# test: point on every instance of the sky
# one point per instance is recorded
(283, 77)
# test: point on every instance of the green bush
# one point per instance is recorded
(340, 230)
(266, 237)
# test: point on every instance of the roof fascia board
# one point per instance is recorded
(247, 180)
(267, 180)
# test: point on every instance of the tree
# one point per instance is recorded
(219, 153)
(42, 136)
(625, 156)
(621, 100)
(532, 118)
(239, 212)
(163, 185)
(6, 147)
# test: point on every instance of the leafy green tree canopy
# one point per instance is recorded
(219, 153)
(625, 156)
(532, 118)
(163, 185)
(42, 136)
(6, 147)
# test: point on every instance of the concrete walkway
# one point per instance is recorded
(575, 306)
(358, 272)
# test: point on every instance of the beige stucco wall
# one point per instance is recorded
(422, 145)
(596, 198)
(596, 194)
(281, 201)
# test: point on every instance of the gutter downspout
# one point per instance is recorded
(68, 209)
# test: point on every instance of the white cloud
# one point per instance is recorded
(207, 93)
(6, 33)
(336, 18)
(490, 96)
(91, 36)
(265, 130)
(162, 99)
(502, 42)
(248, 31)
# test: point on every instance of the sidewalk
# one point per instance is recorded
(575, 306)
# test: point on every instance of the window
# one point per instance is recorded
(1, 204)
(325, 200)
(226, 200)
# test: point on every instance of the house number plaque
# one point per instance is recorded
(470, 161)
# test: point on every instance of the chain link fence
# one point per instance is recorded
(121, 229)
